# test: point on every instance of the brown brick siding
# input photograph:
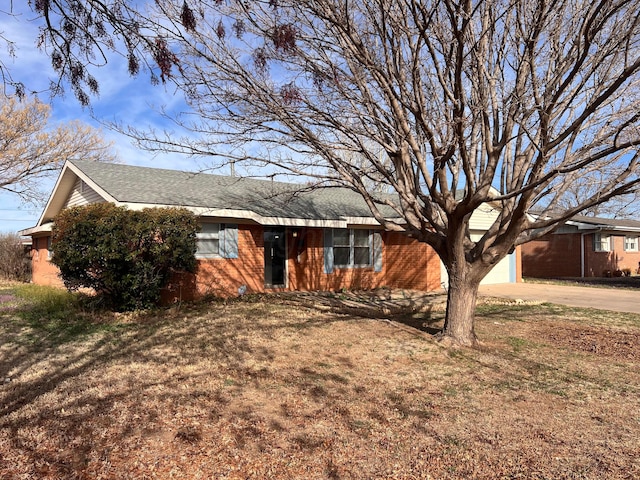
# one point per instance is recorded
(554, 255)
(558, 255)
(406, 264)
(600, 263)
(518, 263)
(43, 271)
(410, 264)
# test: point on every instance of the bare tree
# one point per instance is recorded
(586, 185)
(504, 101)
(30, 148)
(15, 263)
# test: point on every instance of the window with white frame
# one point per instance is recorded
(49, 252)
(208, 240)
(601, 242)
(631, 244)
(351, 248)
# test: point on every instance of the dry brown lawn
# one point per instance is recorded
(275, 387)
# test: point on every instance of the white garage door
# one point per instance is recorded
(503, 272)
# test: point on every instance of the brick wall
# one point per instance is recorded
(43, 271)
(558, 255)
(553, 255)
(599, 264)
(406, 264)
(410, 264)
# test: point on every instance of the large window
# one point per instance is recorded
(601, 242)
(351, 248)
(209, 240)
(631, 244)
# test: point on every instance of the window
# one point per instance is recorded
(208, 240)
(351, 248)
(601, 243)
(348, 248)
(49, 252)
(217, 240)
(630, 244)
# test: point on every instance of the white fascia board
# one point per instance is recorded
(63, 187)
(623, 229)
(362, 221)
(56, 187)
(303, 222)
(245, 215)
(604, 228)
(27, 232)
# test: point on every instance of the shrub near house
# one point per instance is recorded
(126, 256)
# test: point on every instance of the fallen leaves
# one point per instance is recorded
(268, 390)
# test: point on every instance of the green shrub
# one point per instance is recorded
(15, 263)
(126, 256)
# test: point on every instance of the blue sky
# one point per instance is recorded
(122, 99)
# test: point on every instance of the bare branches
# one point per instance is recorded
(443, 103)
(518, 96)
(30, 148)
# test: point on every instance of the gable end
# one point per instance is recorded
(82, 194)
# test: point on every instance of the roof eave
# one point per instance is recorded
(28, 232)
(342, 222)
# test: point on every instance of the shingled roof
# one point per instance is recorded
(263, 201)
(607, 223)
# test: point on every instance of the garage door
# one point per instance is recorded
(503, 272)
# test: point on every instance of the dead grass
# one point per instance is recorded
(282, 389)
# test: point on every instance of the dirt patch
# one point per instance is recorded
(597, 340)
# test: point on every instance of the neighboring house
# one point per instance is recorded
(258, 235)
(584, 247)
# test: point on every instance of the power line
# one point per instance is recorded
(18, 210)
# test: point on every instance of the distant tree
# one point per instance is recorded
(30, 147)
(15, 263)
(503, 101)
(126, 256)
(623, 206)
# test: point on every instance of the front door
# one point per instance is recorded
(274, 257)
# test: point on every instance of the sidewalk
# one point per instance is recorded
(613, 299)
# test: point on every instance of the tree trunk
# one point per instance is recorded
(461, 305)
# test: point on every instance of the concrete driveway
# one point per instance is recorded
(614, 299)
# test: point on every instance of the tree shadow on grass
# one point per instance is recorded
(430, 322)
(81, 389)
(419, 310)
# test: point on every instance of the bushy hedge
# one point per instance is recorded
(126, 256)
(15, 263)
